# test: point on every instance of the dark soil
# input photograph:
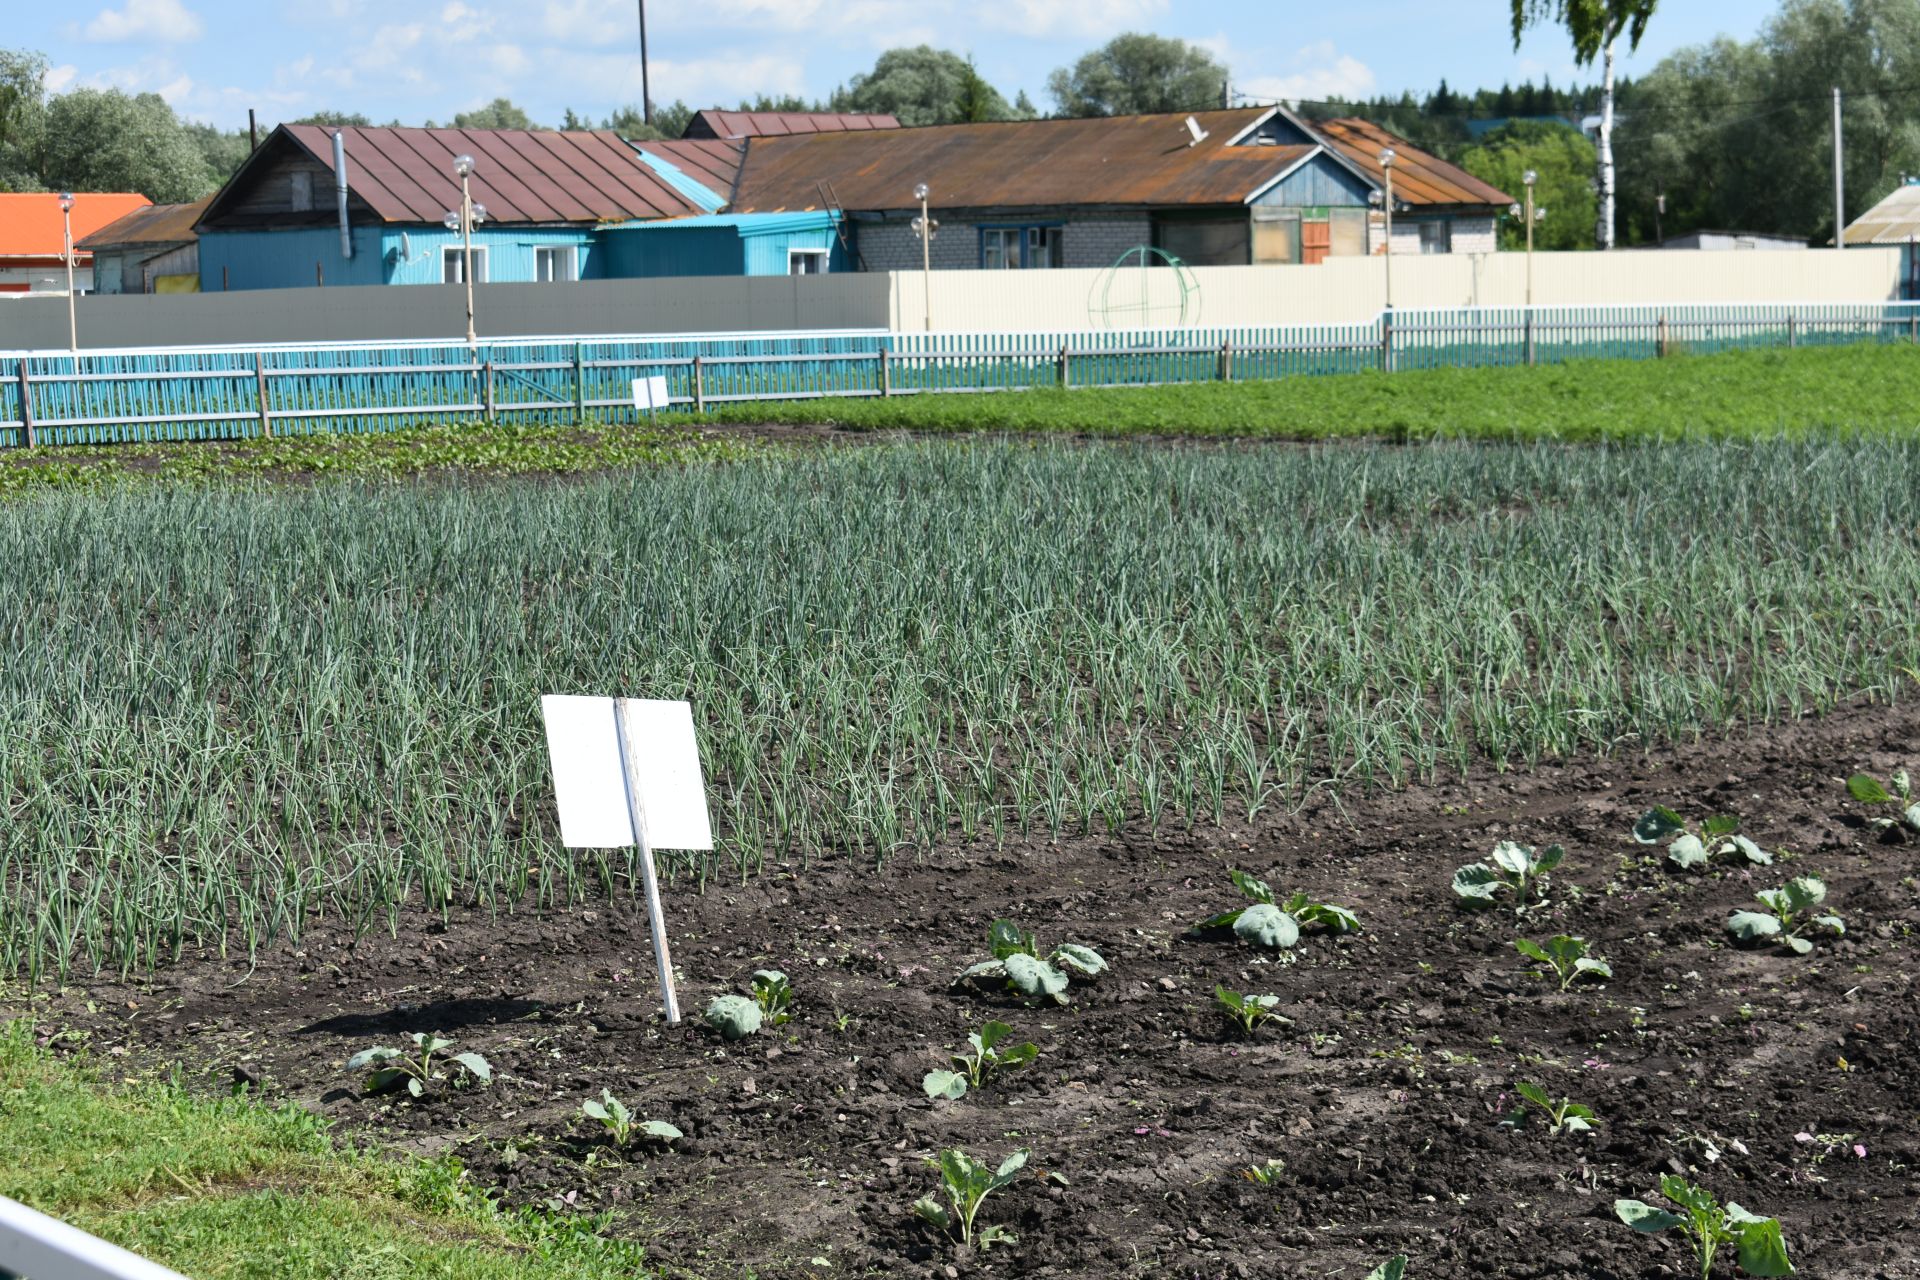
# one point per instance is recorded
(806, 1145)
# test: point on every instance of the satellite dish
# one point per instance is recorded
(406, 246)
(1199, 135)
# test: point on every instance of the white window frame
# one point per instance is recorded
(569, 254)
(453, 264)
(1009, 242)
(823, 256)
(1441, 241)
(1038, 240)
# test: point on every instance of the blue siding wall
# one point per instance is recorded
(767, 254)
(510, 252)
(1320, 181)
(285, 259)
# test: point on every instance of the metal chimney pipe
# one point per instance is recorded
(340, 191)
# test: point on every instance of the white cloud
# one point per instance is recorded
(1041, 18)
(58, 78)
(156, 21)
(1317, 71)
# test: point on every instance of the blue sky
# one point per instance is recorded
(420, 59)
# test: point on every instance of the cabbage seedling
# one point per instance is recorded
(968, 1184)
(1247, 1012)
(1394, 1268)
(734, 1017)
(985, 1059)
(388, 1067)
(1717, 837)
(1567, 956)
(774, 994)
(1515, 867)
(1757, 1241)
(618, 1121)
(1868, 790)
(1017, 958)
(1785, 915)
(1564, 1116)
(1265, 1175)
(1277, 924)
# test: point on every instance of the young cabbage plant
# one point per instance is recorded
(1248, 1011)
(1394, 1268)
(619, 1123)
(968, 1184)
(1564, 1116)
(982, 1058)
(1717, 837)
(1016, 957)
(1786, 915)
(1898, 797)
(1568, 957)
(1272, 924)
(1758, 1244)
(774, 994)
(734, 1017)
(387, 1067)
(1266, 1174)
(1516, 868)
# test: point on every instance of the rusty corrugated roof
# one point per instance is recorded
(776, 124)
(1117, 160)
(1418, 178)
(712, 162)
(522, 176)
(157, 224)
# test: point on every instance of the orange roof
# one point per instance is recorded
(30, 225)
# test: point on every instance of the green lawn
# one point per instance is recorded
(1742, 395)
(1735, 395)
(231, 1190)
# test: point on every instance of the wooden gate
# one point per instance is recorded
(1316, 241)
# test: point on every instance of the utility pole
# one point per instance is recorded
(646, 90)
(1839, 178)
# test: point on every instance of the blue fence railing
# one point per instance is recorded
(228, 393)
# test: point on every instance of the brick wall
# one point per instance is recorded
(1470, 235)
(1089, 240)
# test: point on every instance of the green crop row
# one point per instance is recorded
(228, 712)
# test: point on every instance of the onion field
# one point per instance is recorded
(230, 712)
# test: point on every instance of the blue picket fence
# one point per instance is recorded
(230, 393)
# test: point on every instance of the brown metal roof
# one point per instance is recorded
(1418, 178)
(714, 163)
(158, 224)
(1118, 160)
(776, 124)
(542, 176)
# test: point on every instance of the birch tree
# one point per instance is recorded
(1595, 27)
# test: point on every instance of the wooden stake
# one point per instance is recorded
(26, 405)
(637, 814)
(260, 383)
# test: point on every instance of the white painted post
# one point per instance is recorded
(42, 1248)
(637, 815)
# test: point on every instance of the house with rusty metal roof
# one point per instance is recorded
(151, 250)
(550, 198)
(720, 125)
(1231, 187)
(33, 239)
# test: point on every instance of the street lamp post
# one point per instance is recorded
(73, 316)
(1529, 178)
(925, 226)
(463, 220)
(1387, 158)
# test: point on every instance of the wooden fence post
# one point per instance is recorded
(1793, 336)
(1066, 369)
(1529, 339)
(699, 388)
(886, 373)
(1663, 348)
(1386, 341)
(486, 382)
(1226, 360)
(260, 392)
(579, 388)
(26, 406)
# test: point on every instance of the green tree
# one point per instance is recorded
(498, 114)
(223, 150)
(336, 120)
(1134, 74)
(923, 85)
(1594, 26)
(105, 140)
(1562, 158)
(23, 118)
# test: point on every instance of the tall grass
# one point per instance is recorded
(228, 713)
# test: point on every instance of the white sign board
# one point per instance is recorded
(650, 394)
(590, 776)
